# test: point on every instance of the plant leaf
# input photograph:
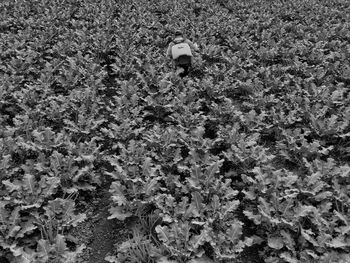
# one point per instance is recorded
(275, 242)
(197, 201)
(162, 233)
(117, 212)
(338, 242)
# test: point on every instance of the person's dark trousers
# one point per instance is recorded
(185, 63)
(186, 69)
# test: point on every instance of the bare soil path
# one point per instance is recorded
(106, 233)
(98, 233)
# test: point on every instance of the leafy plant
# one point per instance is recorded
(250, 150)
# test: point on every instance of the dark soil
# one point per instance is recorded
(251, 255)
(98, 233)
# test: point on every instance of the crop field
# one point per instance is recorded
(107, 155)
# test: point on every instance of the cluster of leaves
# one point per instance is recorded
(50, 116)
(250, 150)
(253, 153)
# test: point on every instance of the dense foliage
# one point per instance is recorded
(251, 150)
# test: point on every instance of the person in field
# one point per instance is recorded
(181, 51)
